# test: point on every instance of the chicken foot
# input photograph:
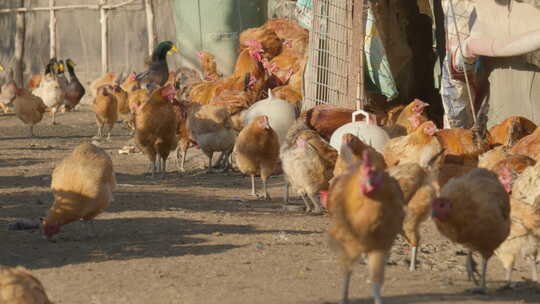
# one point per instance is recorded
(53, 114)
(306, 202)
(317, 206)
(482, 289)
(265, 194)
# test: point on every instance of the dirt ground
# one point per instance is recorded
(200, 238)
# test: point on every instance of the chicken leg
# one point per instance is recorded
(317, 206)
(31, 131)
(92, 228)
(412, 266)
(306, 202)
(376, 263)
(210, 155)
(53, 113)
(109, 132)
(470, 265)
(265, 194)
(482, 289)
(534, 269)
(253, 192)
(286, 199)
(345, 288)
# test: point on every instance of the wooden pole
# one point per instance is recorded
(52, 29)
(150, 25)
(356, 89)
(104, 34)
(19, 47)
(64, 7)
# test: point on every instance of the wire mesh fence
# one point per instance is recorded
(330, 38)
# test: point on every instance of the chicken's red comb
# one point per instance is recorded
(256, 44)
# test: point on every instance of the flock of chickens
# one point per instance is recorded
(480, 186)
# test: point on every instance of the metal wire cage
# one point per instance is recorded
(333, 72)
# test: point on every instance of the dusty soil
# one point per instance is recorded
(200, 238)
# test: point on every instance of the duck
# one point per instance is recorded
(74, 90)
(158, 70)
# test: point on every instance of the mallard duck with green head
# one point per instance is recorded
(158, 70)
(74, 91)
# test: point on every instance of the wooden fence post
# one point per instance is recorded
(52, 29)
(150, 25)
(356, 84)
(104, 38)
(19, 47)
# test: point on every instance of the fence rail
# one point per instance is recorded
(101, 5)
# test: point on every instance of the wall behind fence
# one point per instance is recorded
(78, 37)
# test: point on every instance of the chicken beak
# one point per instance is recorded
(1, 68)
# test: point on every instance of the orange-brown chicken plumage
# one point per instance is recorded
(182, 110)
(286, 29)
(137, 98)
(510, 131)
(256, 151)
(156, 128)
(325, 119)
(474, 211)
(106, 109)
(510, 168)
(414, 108)
(528, 145)
(19, 286)
(418, 147)
(366, 206)
(419, 187)
(524, 236)
(122, 104)
(265, 36)
(235, 102)
(131, 83)
(209, 66)
(358, 147)
(34, 81)
(108, 79)
(82, 186)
